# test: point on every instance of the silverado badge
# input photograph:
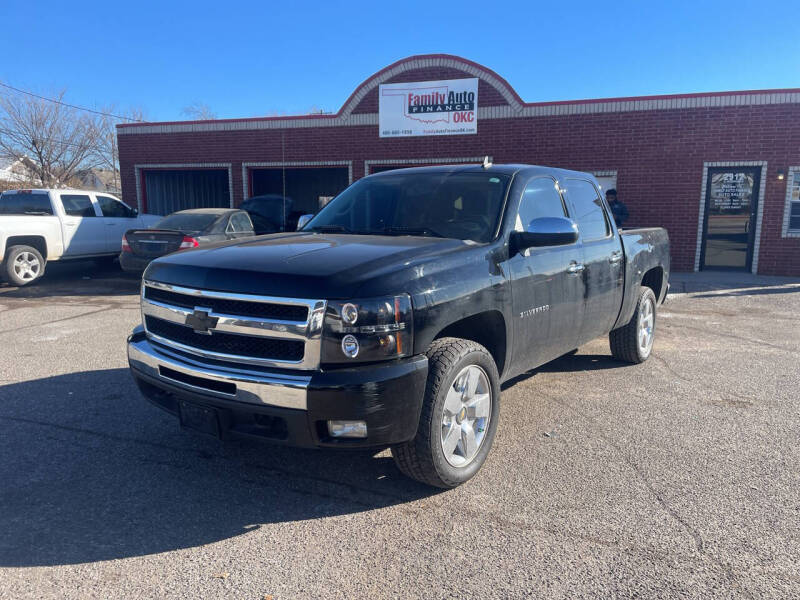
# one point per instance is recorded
(534, 311)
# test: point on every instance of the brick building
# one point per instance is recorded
(721, 171)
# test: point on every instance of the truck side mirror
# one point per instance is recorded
(301, 222)
(545, 231)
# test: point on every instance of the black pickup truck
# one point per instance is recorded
(393, 316)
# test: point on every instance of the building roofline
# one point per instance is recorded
(375, 78)
(434, 60)
(667, 96)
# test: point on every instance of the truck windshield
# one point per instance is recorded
(25, 203)
(460, 205)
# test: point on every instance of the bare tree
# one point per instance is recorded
(54, 140)
(197, 111)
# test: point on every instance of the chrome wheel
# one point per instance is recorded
(27, 266)
(647, 321)
(466, 414)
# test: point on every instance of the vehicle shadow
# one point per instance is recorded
(77, 278)
(570, 363)
(92, 472)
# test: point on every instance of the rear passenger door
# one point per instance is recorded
(602, 259)
(117, 218)
(81, 225)
(546, 296)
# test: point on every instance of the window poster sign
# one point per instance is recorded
(731, 192)
(794, 208)
(447, 107)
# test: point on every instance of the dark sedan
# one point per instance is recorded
(180, 231)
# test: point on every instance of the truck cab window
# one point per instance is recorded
(78, 205)
(540, 199)
(589, 213)
(114, 208)
(13, 203)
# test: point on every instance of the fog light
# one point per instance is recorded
(348, 429)
(350, 346)
(387, 343)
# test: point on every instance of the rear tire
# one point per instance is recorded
(633, 342)
(23, 265)
(460, 413)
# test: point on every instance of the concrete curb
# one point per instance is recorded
(719, 281)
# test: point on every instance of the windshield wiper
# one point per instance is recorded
(413, 231)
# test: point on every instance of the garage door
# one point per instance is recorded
(167, 190)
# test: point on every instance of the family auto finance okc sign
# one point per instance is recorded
(428, 108)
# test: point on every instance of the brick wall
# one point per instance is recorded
(658, 155)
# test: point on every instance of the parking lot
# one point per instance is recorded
(678, 477)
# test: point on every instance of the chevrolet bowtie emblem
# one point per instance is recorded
(201, 322)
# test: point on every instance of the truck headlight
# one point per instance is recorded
(367, 330)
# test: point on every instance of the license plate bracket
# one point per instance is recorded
(200, 418)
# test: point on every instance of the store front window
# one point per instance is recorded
(791, 221)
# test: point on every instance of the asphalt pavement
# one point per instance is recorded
(675, 478)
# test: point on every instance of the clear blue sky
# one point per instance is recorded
(255, 58)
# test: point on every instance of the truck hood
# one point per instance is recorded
(301, 265)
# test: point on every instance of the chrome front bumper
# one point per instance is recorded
(240, 384)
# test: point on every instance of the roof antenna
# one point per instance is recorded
(487, 162)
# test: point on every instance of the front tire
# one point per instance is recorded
(633, 342)
(23, 265)
(460, 413)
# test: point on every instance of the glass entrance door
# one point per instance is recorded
(731, 208)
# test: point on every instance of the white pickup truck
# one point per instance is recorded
(37, 226)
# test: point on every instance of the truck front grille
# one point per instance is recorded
(266, 310)
(227, 343)
(234, 328)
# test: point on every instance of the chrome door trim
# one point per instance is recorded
(575, 268)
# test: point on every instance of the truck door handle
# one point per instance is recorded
(615, 257)
(575, 268)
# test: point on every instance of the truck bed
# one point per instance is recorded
(646, 253)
